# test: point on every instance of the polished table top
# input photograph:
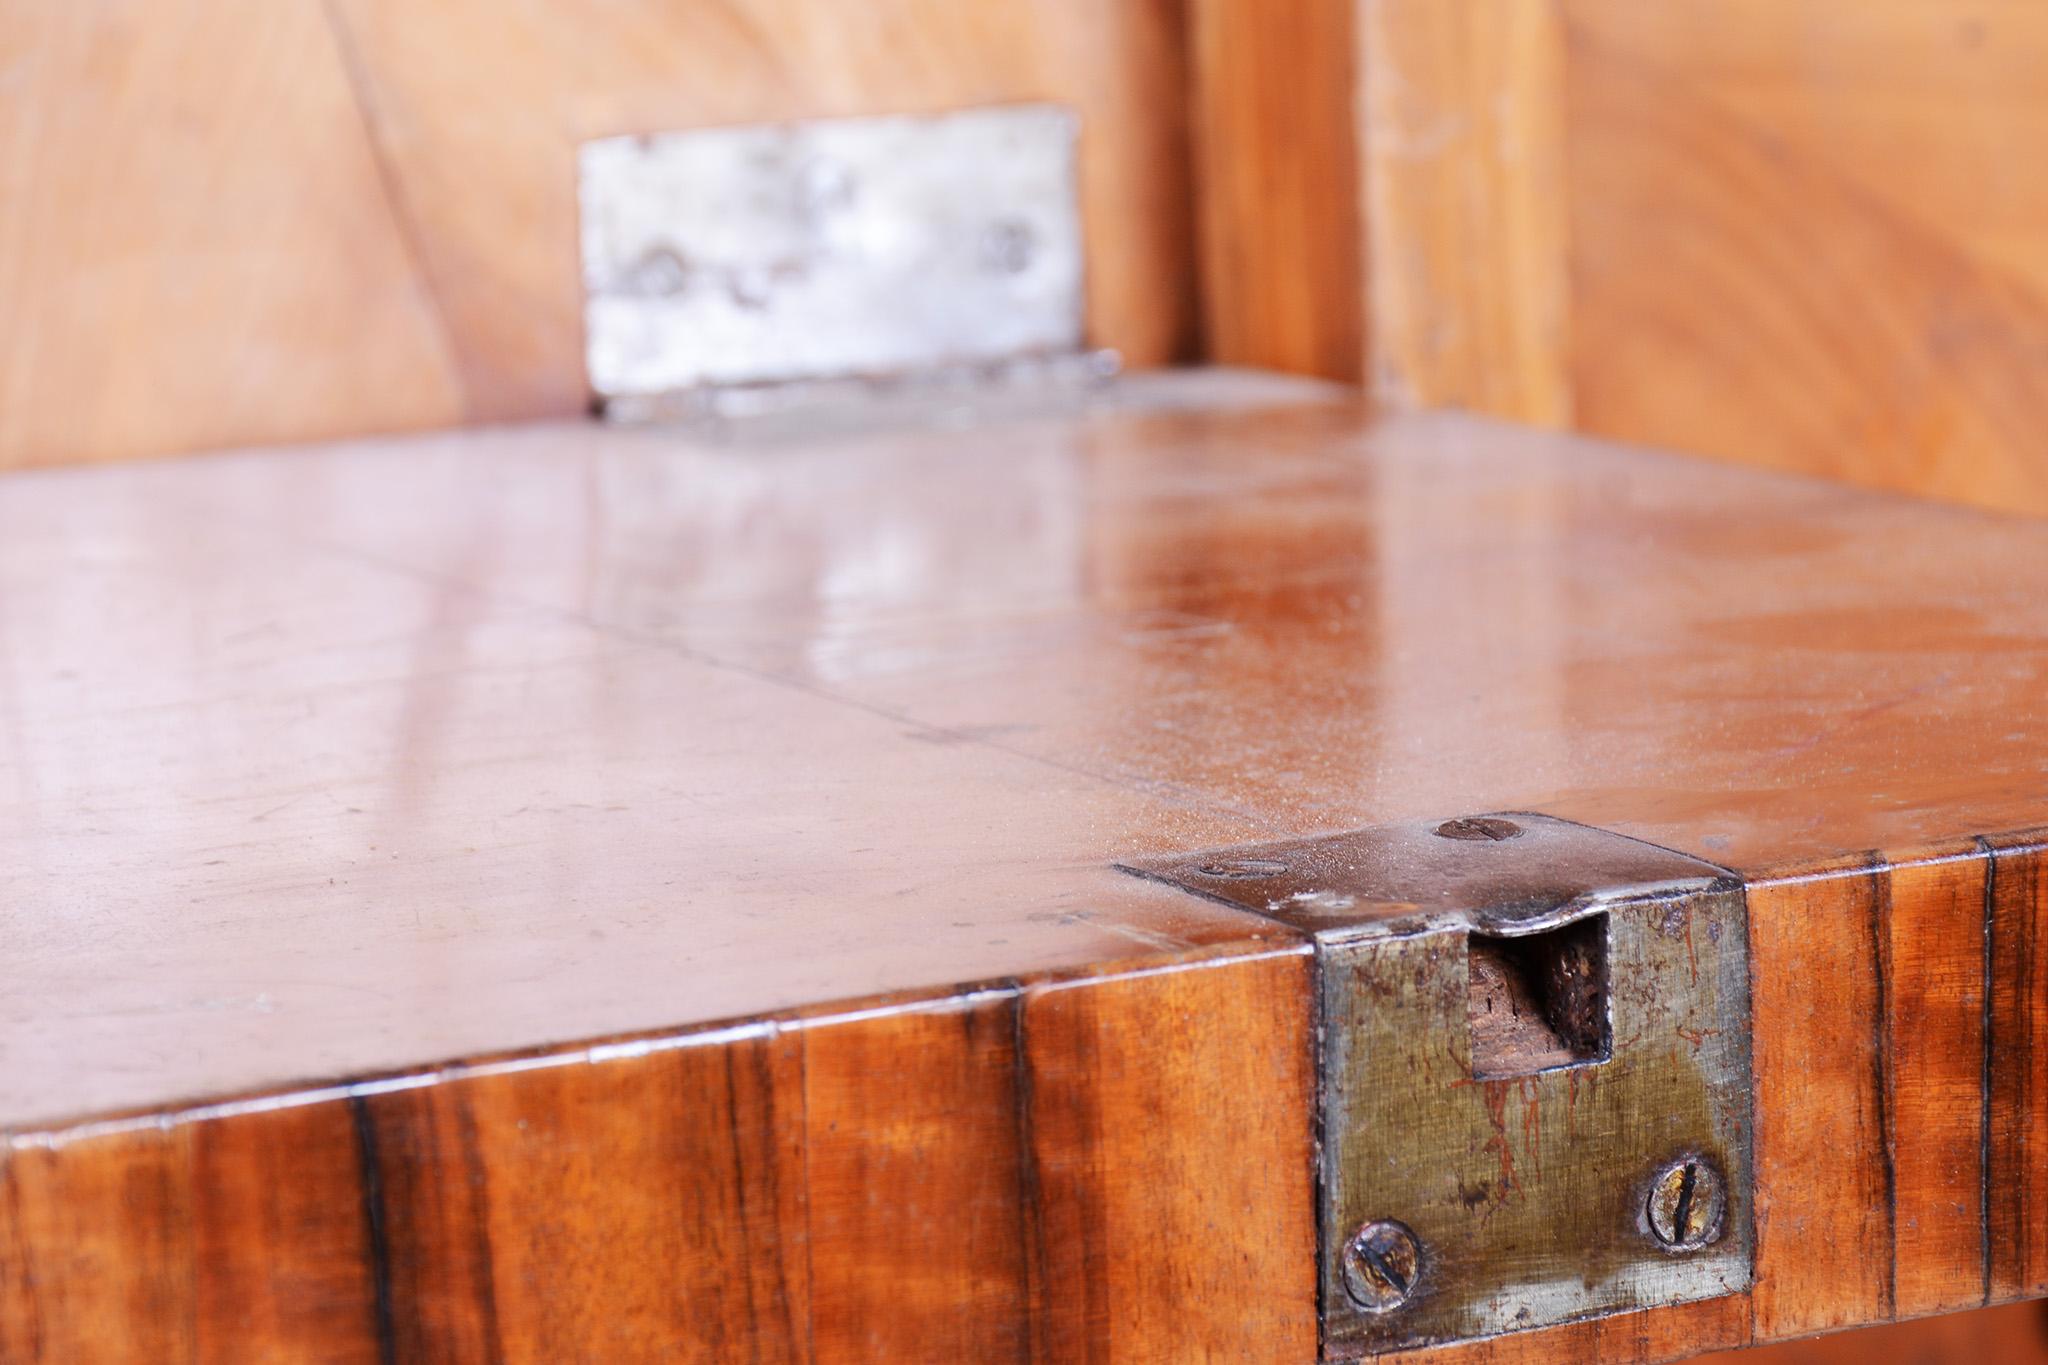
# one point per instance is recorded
(323, 762)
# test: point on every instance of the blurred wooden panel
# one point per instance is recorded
(1465, 206)
(195, 248)
(479, 107)
(1275, 97)
(1810, 235)
(1799, 233)
(245, 222)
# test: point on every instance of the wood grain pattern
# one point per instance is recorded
(690, 1156)
(920, 1208)
(1176, 1217)
(1275, 97)
(2016, 1243)
(340, 763)
(242, 1238)
(983, 1177)
(95, 1251)
(1780, 233)
(1466, 206)
(1824, 1181)
(1795, 242)
(1675, 1332)
(195, 247)
(1933, 973)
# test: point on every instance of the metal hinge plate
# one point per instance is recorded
(1534, 1065)
(731, 271)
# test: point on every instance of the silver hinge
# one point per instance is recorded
(1534, 1070)
(745, 271)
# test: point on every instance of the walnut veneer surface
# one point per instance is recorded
(385, 779)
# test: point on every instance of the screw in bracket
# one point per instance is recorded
(1382, 1261)
(1687, 1205)
(1479, 828)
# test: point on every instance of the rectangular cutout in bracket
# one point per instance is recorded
(1538, 1001)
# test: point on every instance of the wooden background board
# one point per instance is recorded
(1465, 207)
(265, 220)
(1798, 233)
(802, 768)
(1277, 209)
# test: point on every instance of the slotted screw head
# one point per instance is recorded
(1688, 1203)
(1381, 1263)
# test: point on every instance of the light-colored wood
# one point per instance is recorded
(1465, 206)
(1786, 232)
(481, 145)
(269, 221)
(195, 246)
(1276, 177)
(1816, 264)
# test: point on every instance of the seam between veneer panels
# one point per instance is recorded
(1988, 1027)
(1887, 1078)
(1991, 852)
(2011, 930)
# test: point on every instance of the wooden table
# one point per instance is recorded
(567, 893)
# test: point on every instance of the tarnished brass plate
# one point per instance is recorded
(1534, 1059)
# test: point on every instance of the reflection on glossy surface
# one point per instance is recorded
(330, 760)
